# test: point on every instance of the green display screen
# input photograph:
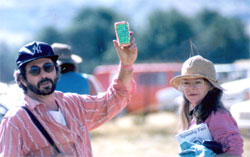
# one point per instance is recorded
(123, 34)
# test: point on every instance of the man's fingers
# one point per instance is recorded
(132, 45)
(116, 44)
(131, 34)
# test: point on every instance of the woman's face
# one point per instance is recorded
(195, 89)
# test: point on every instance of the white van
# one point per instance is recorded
(235, 92)
(241, 113)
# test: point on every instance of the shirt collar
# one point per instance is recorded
(32, 103)
(194, 110)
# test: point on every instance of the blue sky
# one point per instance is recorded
(20, 20)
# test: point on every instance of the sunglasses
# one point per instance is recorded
(47, 67)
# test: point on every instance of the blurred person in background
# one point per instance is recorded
(37, 74)
(70, 80)
(202, 104)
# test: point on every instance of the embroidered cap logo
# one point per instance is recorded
(37, 49)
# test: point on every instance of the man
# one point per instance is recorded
(37, 75)
(70, 79)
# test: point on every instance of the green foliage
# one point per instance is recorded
(7, 63)
(91, 31)
(50, 35)
(90, 36)
(165, 37)
(220, 39)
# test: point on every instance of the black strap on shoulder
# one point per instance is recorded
(41, 128)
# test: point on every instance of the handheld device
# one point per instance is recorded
(122, 33)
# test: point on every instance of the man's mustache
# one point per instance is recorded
(44, 80)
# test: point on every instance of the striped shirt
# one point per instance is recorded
(20, 137)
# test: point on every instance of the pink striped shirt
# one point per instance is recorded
(20, 137)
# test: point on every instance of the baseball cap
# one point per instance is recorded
(33, 51)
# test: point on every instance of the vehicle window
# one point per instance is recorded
(176, 74)
(156, 78)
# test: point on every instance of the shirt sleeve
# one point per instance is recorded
(10, 140)
(224, 130)
(95, 110)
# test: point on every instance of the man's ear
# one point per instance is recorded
(22, 80)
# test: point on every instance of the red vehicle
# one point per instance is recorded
(149, 79)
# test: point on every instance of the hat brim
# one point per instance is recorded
(175, 82)
(54, 58)
(73, 59)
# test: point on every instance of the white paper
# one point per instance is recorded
(197, 134)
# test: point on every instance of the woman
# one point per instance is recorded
(202, 104)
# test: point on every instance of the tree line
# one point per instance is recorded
(166, 36)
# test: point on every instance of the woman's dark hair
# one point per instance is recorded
(211, 102)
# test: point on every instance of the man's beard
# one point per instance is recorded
(46, 90)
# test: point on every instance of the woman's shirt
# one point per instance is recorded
(224, 130)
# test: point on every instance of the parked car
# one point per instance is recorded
(241, 113)
(235, 92)
(3, 111)
(169, 98)
(229, 72)
(149, 79)
(3, 92)
(10, 97)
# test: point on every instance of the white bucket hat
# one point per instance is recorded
(65, 54)
(197, 67)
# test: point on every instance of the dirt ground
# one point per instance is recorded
(142, 136)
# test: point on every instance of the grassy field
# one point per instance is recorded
(138, 136)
